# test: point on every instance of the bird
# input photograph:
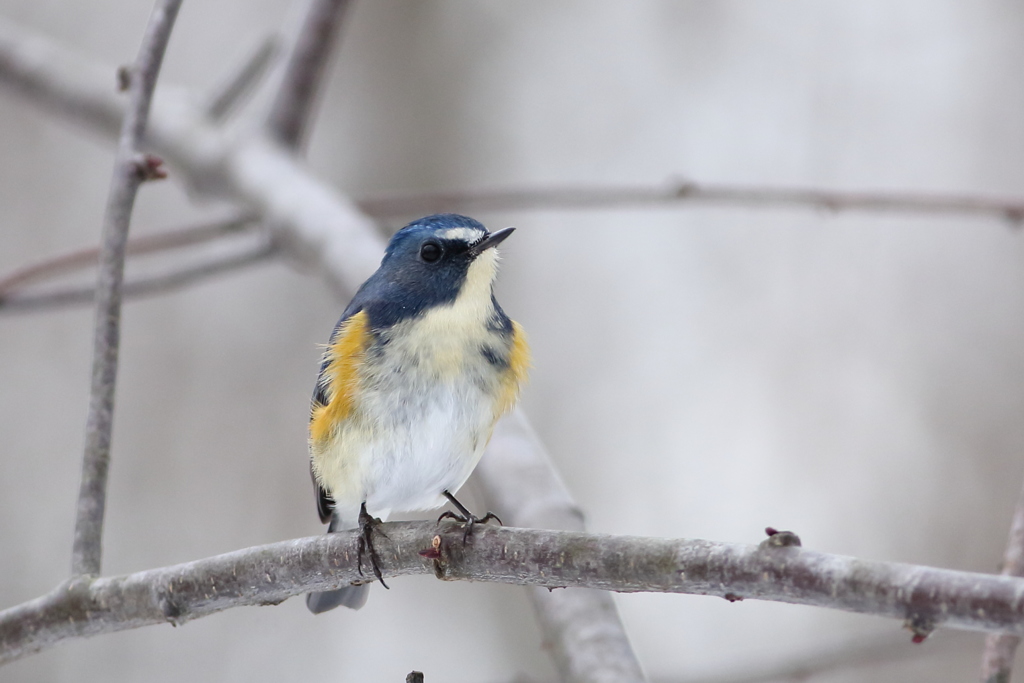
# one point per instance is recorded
(417, 372)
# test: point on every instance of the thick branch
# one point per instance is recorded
(997, 658)
(581, 628)
(272, 573)
(297, 95)
(469, 201)
(129, 172)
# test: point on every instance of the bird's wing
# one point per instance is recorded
(324, 502)
(333, 395)
(514, 376)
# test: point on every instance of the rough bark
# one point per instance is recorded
(997, 657)
(581, 627)
(130, 170)
(923, 597)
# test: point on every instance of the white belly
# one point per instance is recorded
(415, 432)
(429, 441)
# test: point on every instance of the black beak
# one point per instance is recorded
(492, 240)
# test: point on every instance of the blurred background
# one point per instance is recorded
(701, 371)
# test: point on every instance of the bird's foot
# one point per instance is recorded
(367, 523)
(469, 521)
(464, 516)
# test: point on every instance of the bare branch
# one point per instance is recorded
(997, 658)
(146, 286)
(80, 91)
(129, 173)
(272, 573)
(86, 258)
(296, 99)
(69, 85)
(227, 97)
(328, 229)
(581, 628)
(1011, 209)
(389, 206)
(309, 219)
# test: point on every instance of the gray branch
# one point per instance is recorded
(528, 199)
(177, 278)
(58, 80)
(129, 172)
(997, 658)
(79, 259)
(232, 92)
(581, 628)
(71, 86)
(309, 220)
(297, 94)
(923, 597)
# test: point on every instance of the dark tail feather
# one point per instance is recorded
(352, 597)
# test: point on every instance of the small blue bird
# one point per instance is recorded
(420, 367)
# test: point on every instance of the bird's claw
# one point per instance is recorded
(469, 521)
(367, 523)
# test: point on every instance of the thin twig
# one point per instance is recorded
(86, 258)
(527, 199)
(142, 287)
(997, 658)
(581, 628)
(296, 97)
(74, 87)
(129, 173)
(924, 596)
(229, 96)
(390, 206)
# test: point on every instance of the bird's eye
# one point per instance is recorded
(430, 252)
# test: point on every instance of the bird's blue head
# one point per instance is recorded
(431, 262)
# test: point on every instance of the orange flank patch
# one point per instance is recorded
(518, 366)
(345, 355)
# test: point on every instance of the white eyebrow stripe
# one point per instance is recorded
(467, 234)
